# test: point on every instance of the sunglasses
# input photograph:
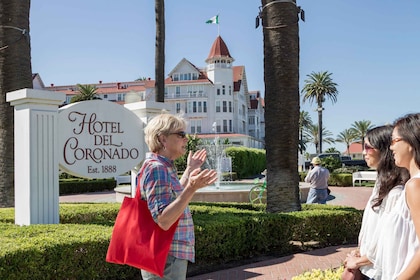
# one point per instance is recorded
(368, 148)
(181, 134)
(395, 140)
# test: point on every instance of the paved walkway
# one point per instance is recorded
(283, 268)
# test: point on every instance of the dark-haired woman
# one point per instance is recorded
(398, 254)
(388, 186)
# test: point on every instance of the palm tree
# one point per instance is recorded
(317, 88)
(160, 51)
(312, 133)
(86, 92)
(15, 73)
(359, 129)
(281, 78)
(347, 136)
(304, 122)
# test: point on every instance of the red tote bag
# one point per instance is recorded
(137, 240)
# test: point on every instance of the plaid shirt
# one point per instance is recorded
(160, 185)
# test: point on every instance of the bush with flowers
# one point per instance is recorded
(318, 274)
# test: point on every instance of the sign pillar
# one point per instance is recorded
(144, 110)
(36, 155)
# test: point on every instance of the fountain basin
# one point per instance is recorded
(227, 192)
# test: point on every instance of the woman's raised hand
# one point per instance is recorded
(201, 178)
(197, 159)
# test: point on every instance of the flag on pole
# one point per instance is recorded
(213, 20)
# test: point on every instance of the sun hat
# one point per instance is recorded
(316, 160)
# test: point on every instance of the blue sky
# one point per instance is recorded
(372, 48)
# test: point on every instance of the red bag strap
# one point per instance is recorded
(138, 194)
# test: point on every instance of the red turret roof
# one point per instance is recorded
(219, 49)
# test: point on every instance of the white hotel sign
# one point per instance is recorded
(99, 139)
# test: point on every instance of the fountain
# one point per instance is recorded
(222, 190)
(217, 159)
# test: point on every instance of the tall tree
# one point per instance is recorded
(281, 78)
(359, 129)
(347, 136)
(15, 73)
(86, 92)
(318, 87)
(160, 51)
(304, 122)
(312, 132)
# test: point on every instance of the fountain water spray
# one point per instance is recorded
(216, 157)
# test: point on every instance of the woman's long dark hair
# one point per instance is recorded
(389, 175)
(408, 128)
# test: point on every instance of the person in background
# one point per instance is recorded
(317, 177)
(388, 186)
(167, 196)
(398, 256)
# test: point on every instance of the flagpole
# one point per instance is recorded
(218, 25)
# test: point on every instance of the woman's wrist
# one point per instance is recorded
(187, 171)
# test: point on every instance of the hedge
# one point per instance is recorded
(76, 248)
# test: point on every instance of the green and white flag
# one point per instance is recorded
(213, 20)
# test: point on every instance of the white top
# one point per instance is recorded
(398, 241)
(370, 231)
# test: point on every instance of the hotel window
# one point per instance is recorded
(230, 126)
(225, 128)
(175, 77)
(230, 90)
(198, 126)
(105, 96)
(218, 91)
(120, 96)
(192, 127)
(225, 106)
(205, 106)
(251, 120)
(223, 90)
(189, 110)
(178, 91)
(230, 106)
(190, 91)
(194, 107)
(200, 107)
(217, 106)
(178, 107)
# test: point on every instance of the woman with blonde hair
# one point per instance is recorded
(167, 196)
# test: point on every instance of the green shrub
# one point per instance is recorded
(242, 156)
(327, 225)
(78, 185)
(342, 180)
(76, 248)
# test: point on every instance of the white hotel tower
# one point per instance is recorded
(215, 100)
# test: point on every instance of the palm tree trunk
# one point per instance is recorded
(160, 51)
(15, 73)
(319, 129)
(281, 77)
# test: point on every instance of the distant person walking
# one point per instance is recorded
(317, 177)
